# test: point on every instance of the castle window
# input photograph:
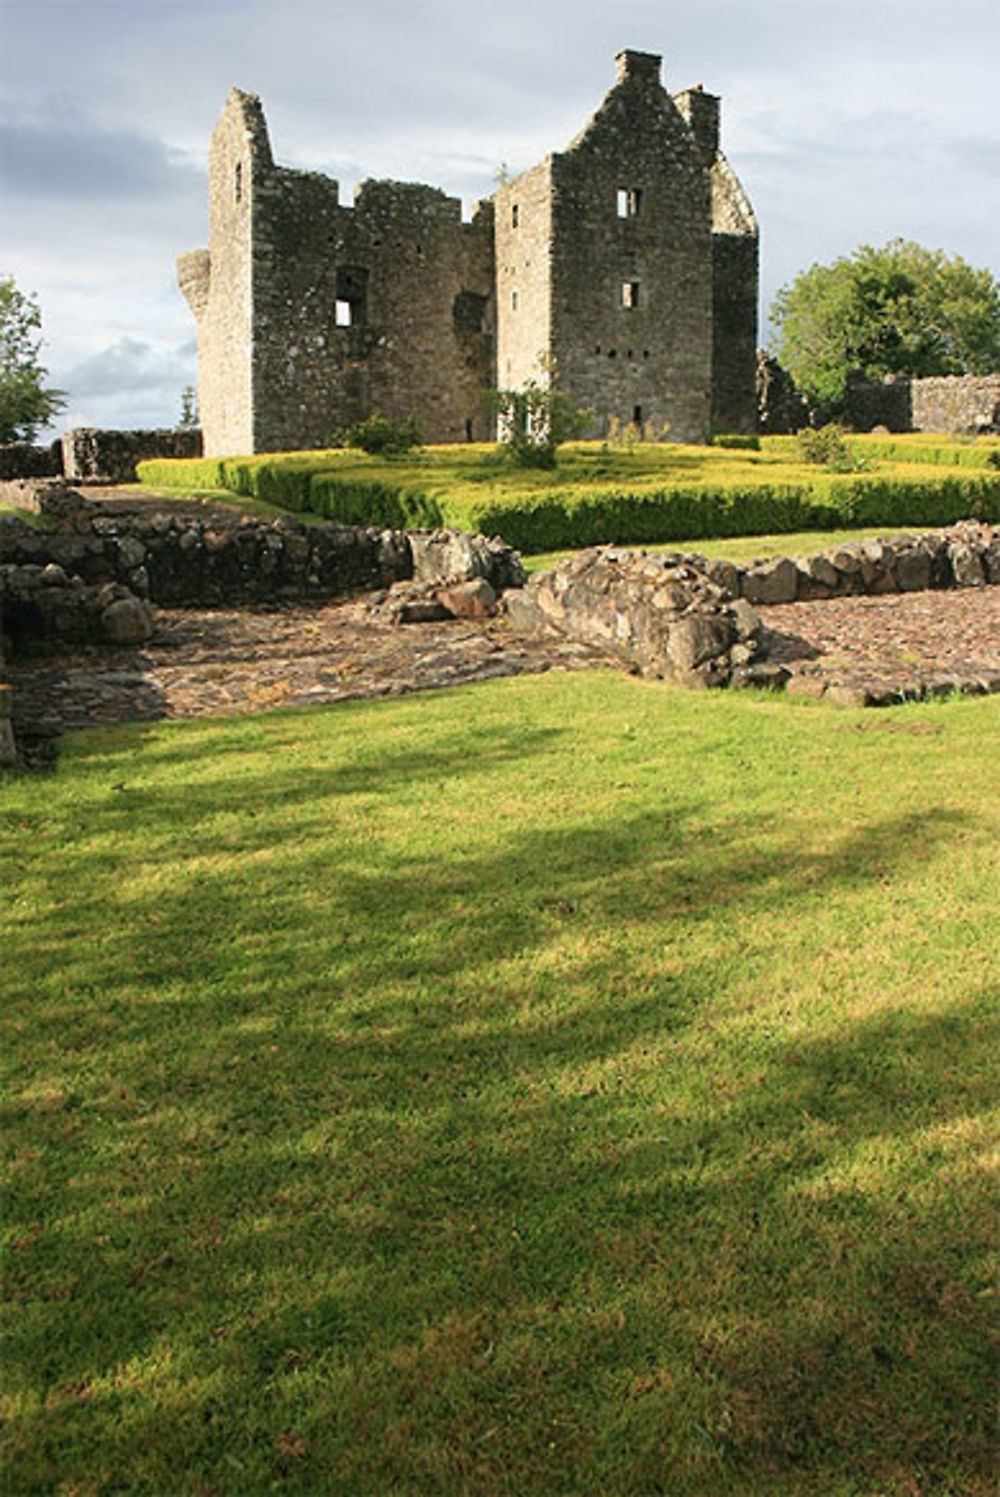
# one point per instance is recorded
(630, 294)
(513, 301)
(637, 415)
(629, 202)
(514, 213)
(352, 296)
(238, 182)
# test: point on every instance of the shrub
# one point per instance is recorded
(828, 448)
(377, 435)
(535, 420)
(736, 441)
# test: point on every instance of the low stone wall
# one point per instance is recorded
(684, 618)
(25, 460)
(92, 578)
(91, 455)
(53, 582)
(951, 405)
(666, 615)
(960, 403)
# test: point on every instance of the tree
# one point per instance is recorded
(189, 409)
(901, 309)
(534, 420)
(25, 403)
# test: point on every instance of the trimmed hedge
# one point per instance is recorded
(554, 522)
(565, 514)
(187, 473)
(914, 447)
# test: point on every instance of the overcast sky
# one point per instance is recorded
(849, 123)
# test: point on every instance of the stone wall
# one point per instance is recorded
(686, 619)
(630, 258)
(26, 460)
(183, 560)
(958, 403)
(632, 284)
(91, 455)
(869, 403)
(311, 314)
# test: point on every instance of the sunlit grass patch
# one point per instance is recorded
(562, 1084)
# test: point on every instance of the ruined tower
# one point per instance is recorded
(630, 259)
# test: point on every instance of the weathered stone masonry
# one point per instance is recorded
(630, 259)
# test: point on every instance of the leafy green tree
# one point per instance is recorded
(901, 309)
(25, 403)
(536, 419)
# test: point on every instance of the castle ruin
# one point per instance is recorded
(627, 261)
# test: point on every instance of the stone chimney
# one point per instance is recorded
(701, 110)
(638, 67)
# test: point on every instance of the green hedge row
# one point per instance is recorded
(982, 452)
(582, 516)
(553, 523)
(952, 455)
(190, 473)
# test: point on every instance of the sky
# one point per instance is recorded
(850, 123)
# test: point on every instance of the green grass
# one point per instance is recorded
(740, 549)
(561, 1086)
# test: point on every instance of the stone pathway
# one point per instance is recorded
(204, 662)
(223, 661)
(877, 650)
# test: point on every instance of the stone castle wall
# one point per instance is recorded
(632, 277)
(312, 314)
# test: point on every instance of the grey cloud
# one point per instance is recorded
(131, 365)
(61, 154)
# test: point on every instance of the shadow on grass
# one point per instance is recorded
(440, 1175)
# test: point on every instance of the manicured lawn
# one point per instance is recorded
(558, 1086)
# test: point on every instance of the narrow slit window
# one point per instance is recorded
(514, 215)
(238, 182)
(513, 301)
(630, 294)
(629, 202)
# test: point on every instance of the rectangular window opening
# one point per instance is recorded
(629, 202)
(514, 215)
(351, 294)
(630, 294)
(513, 301)
(637, 415)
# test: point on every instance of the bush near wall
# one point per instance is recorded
(595, 497)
